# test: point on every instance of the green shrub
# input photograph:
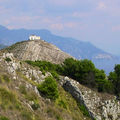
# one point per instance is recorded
(43, 65)
(3, 118)
(8, 59)
(55, 75)
(49, 88)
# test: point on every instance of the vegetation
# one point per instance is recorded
(84, 110)
(46, 67)
(84, 71)
(114, 77)
(3, 118)
(8, 59)
(49, 88)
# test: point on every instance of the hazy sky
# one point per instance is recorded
(97, 21)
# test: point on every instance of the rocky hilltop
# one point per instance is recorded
(37, 50)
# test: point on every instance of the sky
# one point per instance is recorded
(96, 21)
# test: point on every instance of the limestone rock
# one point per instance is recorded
(38, 50)
(97, 105)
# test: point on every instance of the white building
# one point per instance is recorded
(34, 37)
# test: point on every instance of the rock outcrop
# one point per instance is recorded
(38, 50)
(100, 106)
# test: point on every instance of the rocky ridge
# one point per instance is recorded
(37, 50)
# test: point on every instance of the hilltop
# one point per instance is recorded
(37, 50)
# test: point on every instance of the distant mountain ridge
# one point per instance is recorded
(2, 46)
(76, 48)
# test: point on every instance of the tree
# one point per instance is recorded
(114, 77)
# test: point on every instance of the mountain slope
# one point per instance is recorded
(37, 50)
(21, 100)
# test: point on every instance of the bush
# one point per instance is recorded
(43, 65)
(8, 59)
(55, 75)
(3, 118)
(49, 88)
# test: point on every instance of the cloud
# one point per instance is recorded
(81, 14)
(101, 6)
(4, 11)
(57, 26)
(116, 28)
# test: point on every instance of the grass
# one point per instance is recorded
(69, 105)
(4, 78)
(27, 79)
(8, 99)
(26, 115)
(22, 89)
(3, 118)
(84, 110)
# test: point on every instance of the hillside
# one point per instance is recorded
(37, 50)
(21, 100)
(65, 98)
(76, 48)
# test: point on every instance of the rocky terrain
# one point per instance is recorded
(21, 100)
(101, 106)
(38, 50)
